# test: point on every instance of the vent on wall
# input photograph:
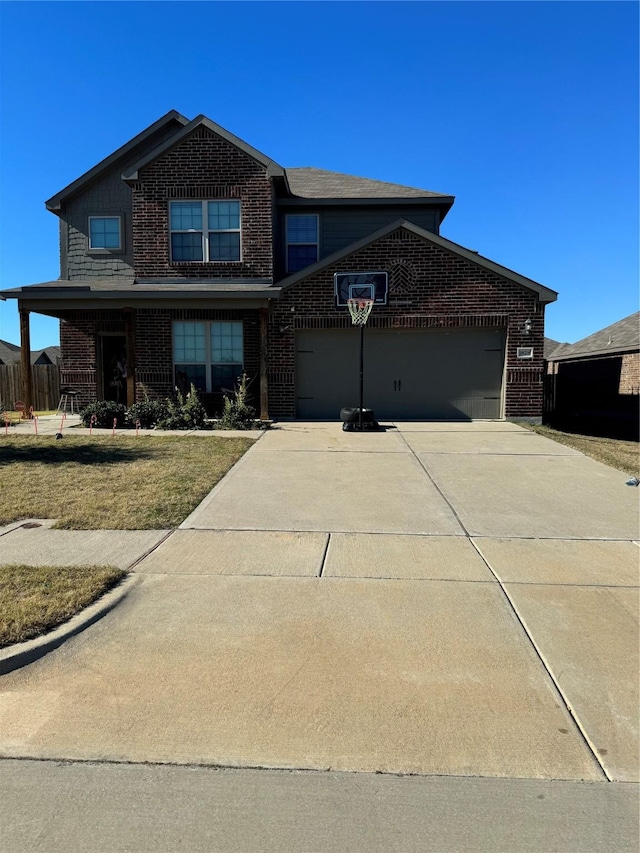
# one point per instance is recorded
(525, 352)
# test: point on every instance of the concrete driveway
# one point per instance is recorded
(457, 599)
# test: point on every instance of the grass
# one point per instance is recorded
(35, 600)
(623, 455)
(121, 483)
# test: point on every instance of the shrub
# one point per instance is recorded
(184, 412)
(148, 412)
(105, 411)
(194, 411)
(236, 412)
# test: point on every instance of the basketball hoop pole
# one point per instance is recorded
(360, 310)
(362, 325)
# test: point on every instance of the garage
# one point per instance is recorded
(449, 374)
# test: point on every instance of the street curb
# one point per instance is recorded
(21, 654)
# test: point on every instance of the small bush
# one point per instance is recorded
(148, 412)
(105, 411)
(184, 412)
(236, 412)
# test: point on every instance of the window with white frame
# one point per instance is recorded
(205, 231)
(302, 241)
(209, 355)
(105, 232)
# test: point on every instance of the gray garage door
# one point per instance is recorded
(434, 373)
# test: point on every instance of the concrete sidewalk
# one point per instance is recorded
(436, 599)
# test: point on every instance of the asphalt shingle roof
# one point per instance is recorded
(308, 182)
(10, 353)
(622, 336)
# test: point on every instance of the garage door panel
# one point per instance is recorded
(433, 374)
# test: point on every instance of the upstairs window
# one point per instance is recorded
(302, 241)
(205, 231)
(105, 232)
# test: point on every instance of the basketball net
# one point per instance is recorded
(359, 310)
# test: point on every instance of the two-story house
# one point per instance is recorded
(189, 256)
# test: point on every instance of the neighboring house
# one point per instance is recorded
(597, 377)
(190, 256)
(10, 354)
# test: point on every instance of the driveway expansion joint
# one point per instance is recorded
(560, 692)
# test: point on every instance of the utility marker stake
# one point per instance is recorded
(137, 426)
(35, 423)
(64, 417)
(113, 431)
(92, 420)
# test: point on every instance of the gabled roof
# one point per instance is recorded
(273, 169)
(55, 202)
(545, 294)
(552, 347)
(623, 336)
(9, 353)
(48, 355)
(308, 182)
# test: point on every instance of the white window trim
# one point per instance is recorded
(208, 363)
(205, 231)
(286, 235)
(103, 248)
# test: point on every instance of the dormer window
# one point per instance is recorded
(205, 231)
(105, 232)
(302, 241)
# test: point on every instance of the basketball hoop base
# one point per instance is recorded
(367, 426)
(351, 420)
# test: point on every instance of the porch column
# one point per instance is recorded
(264, 385)
(130, 334)
(25, 359)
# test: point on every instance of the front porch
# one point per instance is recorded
(115, 347)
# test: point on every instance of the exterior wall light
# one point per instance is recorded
(527, 325)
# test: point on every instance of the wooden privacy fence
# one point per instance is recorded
(46, 385)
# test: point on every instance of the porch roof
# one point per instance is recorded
(147, 289)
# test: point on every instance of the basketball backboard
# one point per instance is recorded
(361, 285)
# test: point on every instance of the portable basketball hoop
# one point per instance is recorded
(360, 307)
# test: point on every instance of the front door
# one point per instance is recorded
(114, 368)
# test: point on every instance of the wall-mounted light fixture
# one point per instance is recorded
(527, 326)
(282, 329)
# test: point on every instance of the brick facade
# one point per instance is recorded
(430, 285)
(445, 291)
(204, 166)
(80, 332)
(630, 374)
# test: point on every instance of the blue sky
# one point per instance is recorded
(526, 112)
